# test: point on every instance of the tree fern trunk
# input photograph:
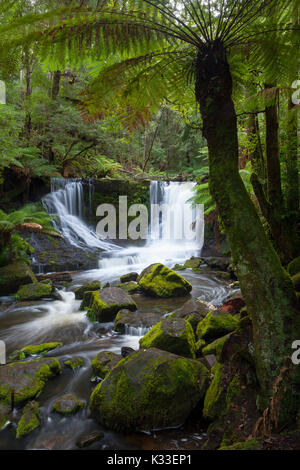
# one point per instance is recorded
(292, 190)
(268, 291)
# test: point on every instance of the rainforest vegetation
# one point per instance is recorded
(155, 90)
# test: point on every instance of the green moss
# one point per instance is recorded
(178, 267)
(30, 419)
(67, 405)
(129, 277)
(74, 362)
(5, 412)
(13, 276)
(159, 281)
(216, 324)
(214, 397)
(296, 281)
(79, 292)
(104, 362)
(101, 311)
(193, 263)
(34, 291)
(252, 444)
(294, 267)
(130, 287)
(34, 350)
(173, 335)
(215, 347)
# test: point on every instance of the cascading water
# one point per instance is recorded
(65, 203)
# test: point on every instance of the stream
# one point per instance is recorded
(24, 323)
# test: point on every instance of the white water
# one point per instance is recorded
(66, 203)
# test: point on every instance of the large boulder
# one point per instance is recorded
(159, 281)
(34, 350)
(193, 310)
(67, 405)
(141, 320)
(220, 264)
(215, 325)
(171, 334)
(129, 277)
(79, 292)
(104, 305)
(13, 276)
(26, 379)
(150, 389)
(193, 262)
(35, 291)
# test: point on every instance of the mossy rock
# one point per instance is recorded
(215, 347)
(193, 263)
(220, 264)
(178, 267)
(130, 287)
(67, 405)
(30, 419)
(150, 389)
(173, 335)
(35, 291)
(5, 414)
(104, 305)
(215, 395)
(193, 310)
(104, 362)
(294, 266)
(129, 277)
(216, 324)
(251, 444)
(34, 350)
(79, 292)
(26, 378)
(74, 362)
(296, 281)
(224, 275)
(159, 281)
(13, 276)
(135, 320)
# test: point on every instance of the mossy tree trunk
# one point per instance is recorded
(268, 290)
(292, 190)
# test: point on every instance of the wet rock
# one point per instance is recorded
(35, 350)
(171, 334)
(215, 325)
(126, 351)
(193, 262)
(13, 276)
(135, 320)
(104, 305)
(104, 362)
(221, 264)
(150, 389)
(26, 379)
(55, 278)
(5, 414)
(178, 267)
(234, 303)
(30, 419)
(35, 291)
(209, 360)
(79, 292)
(67, 405)
(129, 277)
(216, 346)
(131, 287)
(74, 362)
(224, 275)
(159, 281)
(194, 310)
(90, 439)
(56, 295)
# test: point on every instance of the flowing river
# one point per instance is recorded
(24, 323)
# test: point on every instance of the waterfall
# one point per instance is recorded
(65, 203)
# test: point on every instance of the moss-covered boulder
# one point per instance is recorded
(214, 397)
(130, 287)
(294, 266)
(220, 263)
(104, 362)
(150, 389)
(296, 281)
(67, 405)
(13, 276)
(129, 277)
(35, 291)
(104, 305)
(79, 292)
(141, 320)
(5, 414)
(178, 267)
(215, 347)
(159, 281)
(173, 335)
(30, 419)
(74, 362)
(193, 262)
(26, 379)
(215, 325)
(193, 310)
(34, 350)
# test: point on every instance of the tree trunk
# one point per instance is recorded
(55, 84)
(267, 289)
(292, 190)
